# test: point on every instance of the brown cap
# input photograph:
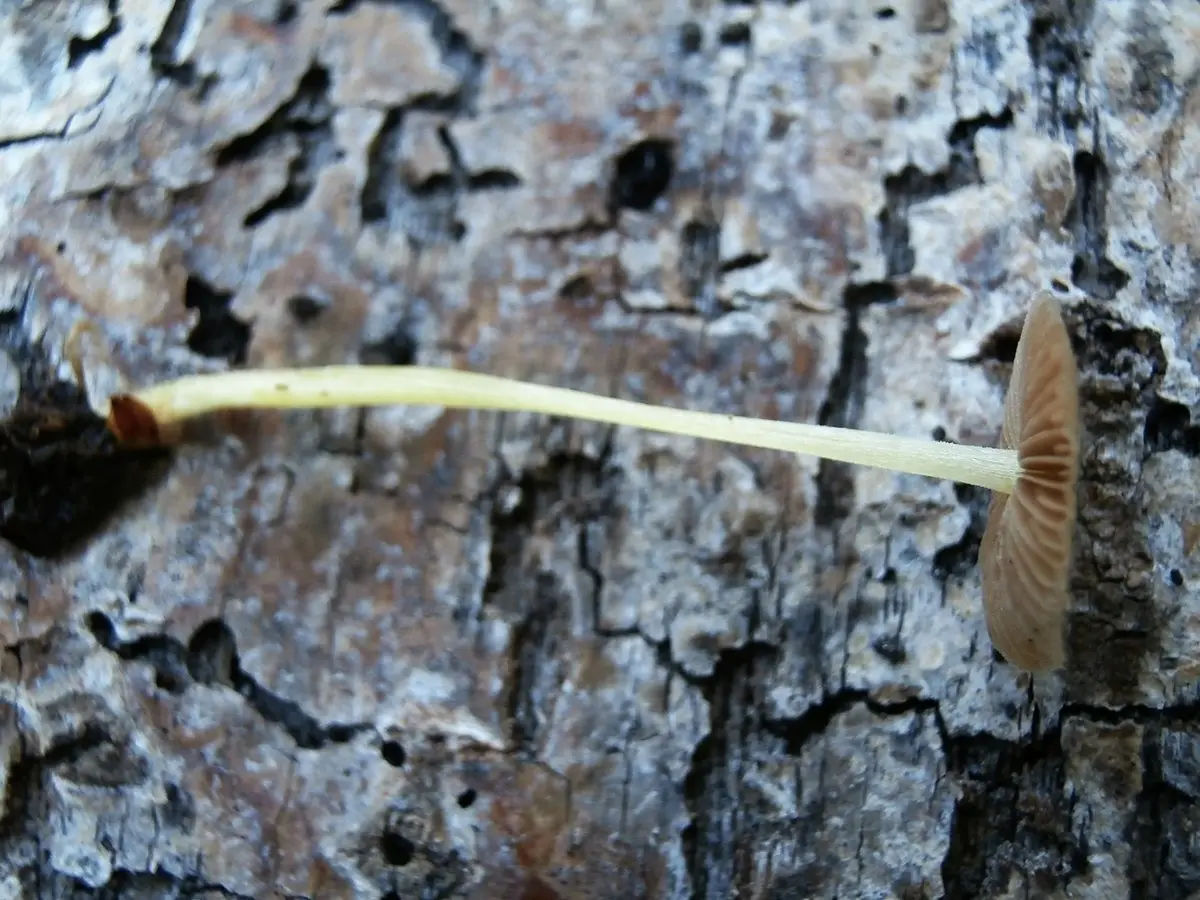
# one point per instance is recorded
(1025, 555)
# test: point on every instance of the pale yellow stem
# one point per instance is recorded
(364, 386)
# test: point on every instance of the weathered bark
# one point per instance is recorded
(414, 653)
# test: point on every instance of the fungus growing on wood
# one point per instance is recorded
(1025, 552)
(1025, 555)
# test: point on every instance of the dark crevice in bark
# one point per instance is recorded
(1166, 861)
(455, 47)
(218, 333)
(843, 405)
(720, 836)
(427, 212)
(78, 48)
(1060, 48)
(129, 885)
(1014, 815)
(1091, 270)
(699, 258)
(641, 174)
(569, 490)
(745, 261)
(164, 52)
(911, 186)
(959, 559)
(1169, 427)
(211, 658)
(725, 828)
(306, 120)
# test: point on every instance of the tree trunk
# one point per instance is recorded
(418, 653)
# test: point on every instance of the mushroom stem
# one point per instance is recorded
(157, 409)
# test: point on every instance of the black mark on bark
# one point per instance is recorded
(1165, 860)
(211, 658)
(911, 185)
(218, 333)
(305, 309)
(1059, 45)
(1169, 427)
(1092, 270)
(78, 49)
(1153, 66)
(455, 47)
(305, 123)
(569, 488)
(843, 406)
(717, 842)
(642, 174)
(398, 347)
(164, 52)
(1013, 817)
(427, 211)
(698, 264)
(960, 558)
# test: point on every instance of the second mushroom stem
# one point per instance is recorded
(172, 402)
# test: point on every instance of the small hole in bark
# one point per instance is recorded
(393, 753)
(890, 648)
(180, 809)
(888, 576)
(78, 49)
(886, 13)
(61, 248)
(305, 309)
(691, 38)
(939, 433)
(1060, 286)
(286, 12)
(577, 289)
(1169, 427)
(341, 734)
(102, 630)
(218, 334)
(1176, 577)
(735, 35)
(467, 798)
(398, 348)
(212, 653)
(901, 105)
(397, 849)
(642, 174)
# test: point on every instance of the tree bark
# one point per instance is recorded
(415, 653)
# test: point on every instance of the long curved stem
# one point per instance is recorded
(172, 402)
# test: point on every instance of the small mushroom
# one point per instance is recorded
(1026, 549)
(1025, 555)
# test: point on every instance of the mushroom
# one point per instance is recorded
(1025, 553)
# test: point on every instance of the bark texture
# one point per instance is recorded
(422, 654)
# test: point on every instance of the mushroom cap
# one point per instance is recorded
(1025, 554)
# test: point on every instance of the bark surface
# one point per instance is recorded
(410, 653)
